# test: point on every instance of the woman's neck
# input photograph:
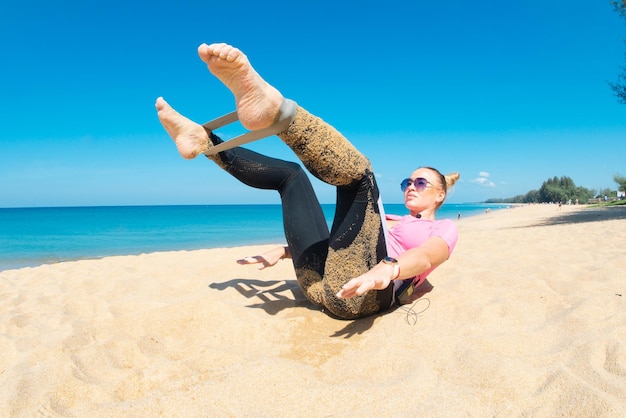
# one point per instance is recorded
(425, 214)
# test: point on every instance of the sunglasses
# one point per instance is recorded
(419, 183)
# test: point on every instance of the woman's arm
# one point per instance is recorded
(267, 259)
(433, 252)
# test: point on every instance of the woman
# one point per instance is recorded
(359, 267)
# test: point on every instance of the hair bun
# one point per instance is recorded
(451, 178)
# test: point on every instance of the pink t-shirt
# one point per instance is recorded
(412, 232)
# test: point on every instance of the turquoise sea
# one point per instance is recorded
(34, 236)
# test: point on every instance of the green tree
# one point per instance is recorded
(531, 197)
(619, 87)
(557, 190)
(606, 192)
(560, 190)
(621, 181)
(551, 191)
(583, 194)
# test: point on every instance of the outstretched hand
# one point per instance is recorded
(363, 284)
(267, 259)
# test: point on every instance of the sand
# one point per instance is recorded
(528, 318)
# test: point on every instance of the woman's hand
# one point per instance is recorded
(427, 256)
(377, 278)
(267, 259)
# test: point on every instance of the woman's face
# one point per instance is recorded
(424, 192)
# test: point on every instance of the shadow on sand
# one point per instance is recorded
(593, 214)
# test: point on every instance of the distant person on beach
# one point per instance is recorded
(368, 262)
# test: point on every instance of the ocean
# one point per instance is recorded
(35, 236)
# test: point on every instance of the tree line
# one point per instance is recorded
(563, 189)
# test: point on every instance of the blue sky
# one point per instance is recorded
(507, 93)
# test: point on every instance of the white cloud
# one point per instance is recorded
(483, 180)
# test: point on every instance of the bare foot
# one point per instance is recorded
(191, 138)
(258, 103)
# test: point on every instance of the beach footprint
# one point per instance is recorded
(615, 362)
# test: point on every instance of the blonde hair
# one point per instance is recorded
(451, 179)
(447, 181)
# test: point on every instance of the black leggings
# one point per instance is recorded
(323, 261)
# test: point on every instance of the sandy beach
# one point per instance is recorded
(528, 318)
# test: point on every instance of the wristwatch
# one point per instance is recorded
(396, 267)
